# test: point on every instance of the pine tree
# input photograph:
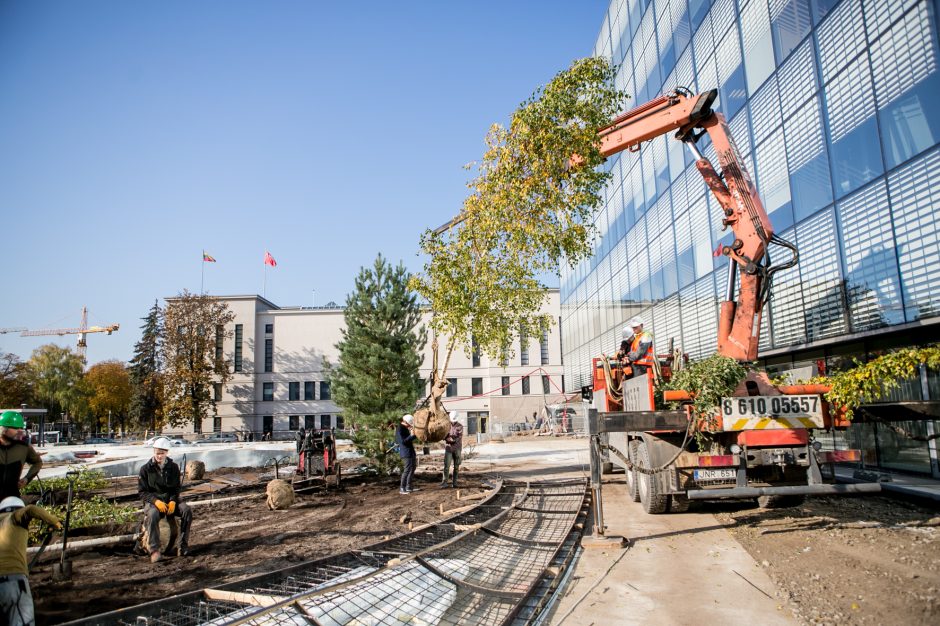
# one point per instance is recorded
(145, 372)
(376, 378)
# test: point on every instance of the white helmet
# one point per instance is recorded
(627, 332)
(162, 443)
(453, 416)
(636, 321)
(408, 419)
(8, 504)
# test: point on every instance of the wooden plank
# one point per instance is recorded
(253, 599)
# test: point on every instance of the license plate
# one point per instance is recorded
(771, 412)
(715, 474)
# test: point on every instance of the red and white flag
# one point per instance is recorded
(269, 260)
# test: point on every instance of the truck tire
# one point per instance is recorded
(654, 502)
(780, 502)
(632, 486)
(679, 503)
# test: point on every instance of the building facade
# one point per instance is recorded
(280, 382)
(829, 104)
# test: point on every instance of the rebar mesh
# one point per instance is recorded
(500, 571)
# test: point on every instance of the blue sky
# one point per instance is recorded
(133, 135)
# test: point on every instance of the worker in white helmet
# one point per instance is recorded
(636, 348)
(158, 485)
(453, 443)
(16, 600)
(405, 438)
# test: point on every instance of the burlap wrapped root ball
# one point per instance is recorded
(280, 495)
(195, 470)
(431, 427)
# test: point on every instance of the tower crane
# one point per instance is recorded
(82, 331)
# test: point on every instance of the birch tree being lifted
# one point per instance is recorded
(527, 210)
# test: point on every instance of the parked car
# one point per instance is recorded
(97, 440)
(218, 438)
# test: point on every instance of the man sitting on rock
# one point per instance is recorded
(158, 485)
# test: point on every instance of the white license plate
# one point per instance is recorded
(728, 473)
(769, 412)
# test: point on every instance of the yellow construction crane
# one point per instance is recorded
(82, 331)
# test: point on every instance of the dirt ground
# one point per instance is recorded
(238, 538)
(845, 560)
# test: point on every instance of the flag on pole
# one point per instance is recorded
(207, 258)
(269, 260)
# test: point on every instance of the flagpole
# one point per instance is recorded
(264, 286)
(202, 279)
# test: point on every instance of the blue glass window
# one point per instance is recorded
(790, 22)
(808, 162)
(821, 8)
(773, 180)
(698, 9)
(758, 46)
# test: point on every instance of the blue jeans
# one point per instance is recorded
(408, 472)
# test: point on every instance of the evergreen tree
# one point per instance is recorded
(145, 409)
(379, 357)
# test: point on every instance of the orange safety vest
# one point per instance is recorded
(647, 357)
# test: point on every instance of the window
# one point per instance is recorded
(546, 385)
(217, 391)
(310, 422)
(216, 424)
(544, 347)
(525, 385)
(324, 390)
(505, 385)
(269, 355)
(293, 391)
(523, 349)
(309, 390)
(239, 336)
(325, 422)
(476, 351)
(268, 329)
(267, 392)
(218, 343)
(476, 386)
(340, 423)
(293, 422)
(451, 387)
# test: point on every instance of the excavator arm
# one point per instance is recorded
(691, 117)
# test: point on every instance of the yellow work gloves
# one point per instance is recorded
(171, 508)
(161, 506)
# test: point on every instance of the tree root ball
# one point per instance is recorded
(431, 427)
(195, 470)
(280, 495)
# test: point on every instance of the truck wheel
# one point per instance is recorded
(780, 502)
(679, 503)
(632, 487)
(654, 502)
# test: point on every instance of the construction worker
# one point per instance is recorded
(13, 454)
(158, 485)
(300, 439)
(16, 600)
(405, 438)
(453, 442)
(636, 349)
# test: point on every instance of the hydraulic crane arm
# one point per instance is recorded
(691, 117)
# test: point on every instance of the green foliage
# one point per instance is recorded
(87, 480)
(708, 381)
(15, 384)
(192, 326)
(56, 377)
(93, 511)
(109, 387)
(528, 209)
(146, 399)
(379, 357)
(869, 381)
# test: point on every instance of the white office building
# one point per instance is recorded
(280, 384)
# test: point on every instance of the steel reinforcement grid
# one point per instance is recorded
(497, 563)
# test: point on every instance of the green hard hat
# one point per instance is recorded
(11, 419)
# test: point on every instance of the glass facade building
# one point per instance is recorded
(829, 104)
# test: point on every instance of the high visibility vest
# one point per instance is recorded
(647, 357)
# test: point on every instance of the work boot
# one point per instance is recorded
(155, 556)
(182, 551)
(402, 492)
(445, 486)
(413, 489)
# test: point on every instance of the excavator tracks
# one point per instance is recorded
(497, 563)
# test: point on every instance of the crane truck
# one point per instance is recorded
(758, 442)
